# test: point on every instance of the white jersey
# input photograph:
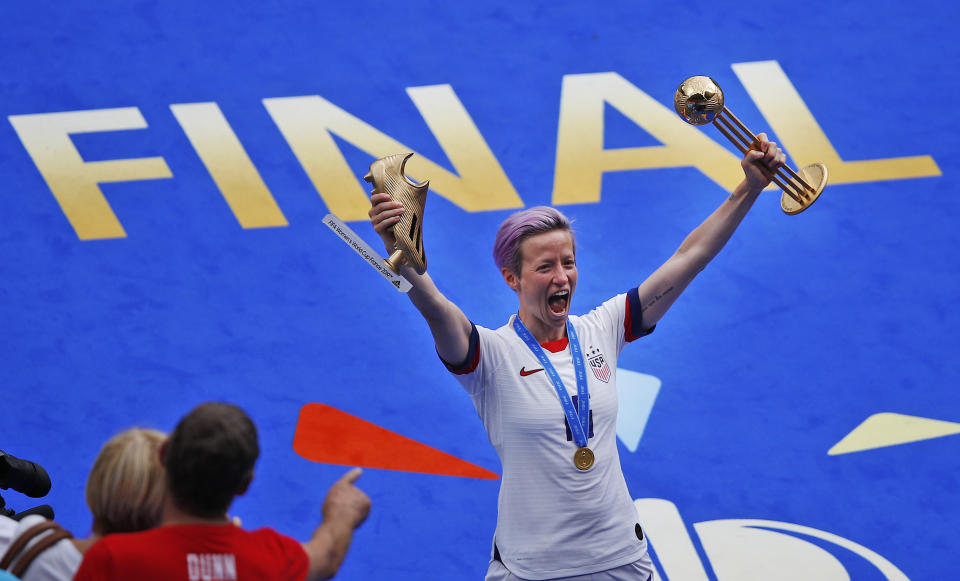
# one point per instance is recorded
(57, 563)
(555, 520)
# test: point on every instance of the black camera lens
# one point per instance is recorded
(23, 476)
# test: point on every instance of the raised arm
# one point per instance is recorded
(449, 326)
(344, 509)
(662, 288)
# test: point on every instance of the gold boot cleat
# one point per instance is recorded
(386, 175)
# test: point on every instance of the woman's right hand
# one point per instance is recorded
(384, 213)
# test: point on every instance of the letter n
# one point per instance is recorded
(309, 124)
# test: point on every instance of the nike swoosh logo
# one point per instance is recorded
(524, 372)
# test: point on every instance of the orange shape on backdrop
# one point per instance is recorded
(330, 436)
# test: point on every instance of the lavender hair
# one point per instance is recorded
(521, 225)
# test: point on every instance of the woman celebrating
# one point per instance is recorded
(564, 508)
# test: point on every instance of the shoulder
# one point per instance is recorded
(26, 523)
(501, 334)
(507, 335)
(97, 561)
(126, 539)
(267, 533)
(609, 310)
(103, 547)
(269, 537)
(281, 548)
(58, 561)
(7, 526)
(133, 545)
(63, 548)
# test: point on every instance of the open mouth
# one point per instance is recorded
(558, 302)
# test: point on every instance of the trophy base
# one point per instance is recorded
(814, 174)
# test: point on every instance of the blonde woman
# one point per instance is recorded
(125, 492)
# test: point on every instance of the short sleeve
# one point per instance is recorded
(481, 362)
(470, 362)
(633, 325)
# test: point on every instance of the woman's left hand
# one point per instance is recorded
(766, 154)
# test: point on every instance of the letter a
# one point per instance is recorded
(582, 160)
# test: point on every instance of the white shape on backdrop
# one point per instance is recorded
(636, 394)
(746, 549)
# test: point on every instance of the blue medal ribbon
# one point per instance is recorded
(579, 427)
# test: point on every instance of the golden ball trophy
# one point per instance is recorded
(699, 101)
(386, 175)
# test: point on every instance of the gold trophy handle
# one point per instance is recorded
(798, 195)
(699, 101)
(395, 260)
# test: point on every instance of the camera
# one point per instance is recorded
(26, 477)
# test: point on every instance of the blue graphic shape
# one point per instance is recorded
(636, 393)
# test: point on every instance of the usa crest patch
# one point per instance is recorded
(599, 365)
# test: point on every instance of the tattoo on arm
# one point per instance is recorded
(655, 299)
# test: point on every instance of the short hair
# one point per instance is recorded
(125, 488)
(209, 458)
(520, 226)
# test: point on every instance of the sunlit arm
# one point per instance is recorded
(449, 326)
(661, 289)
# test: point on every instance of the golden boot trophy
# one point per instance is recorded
(699, 101)
(386, 175)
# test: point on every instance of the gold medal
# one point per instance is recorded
(583, 458)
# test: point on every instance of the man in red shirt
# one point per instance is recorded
(209, 459)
